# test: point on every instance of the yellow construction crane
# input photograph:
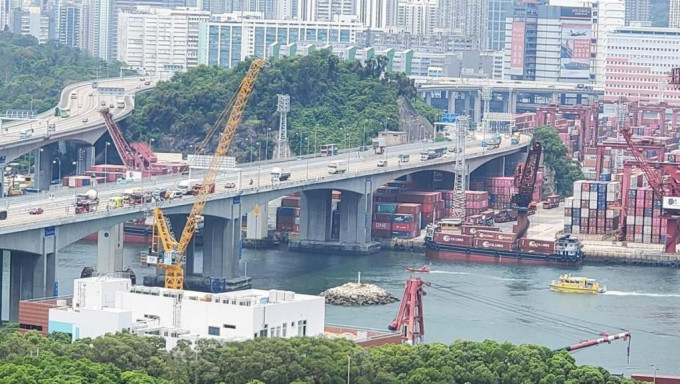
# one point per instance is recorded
(172, 255)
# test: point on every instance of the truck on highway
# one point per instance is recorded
(197, 188)
(379, 145)
(116, 202)
(404, 158)
(492, 143)
(428, 155)
(278, 174)
(120, 102)
(87, 202)
(336, 167)
(74, 95)
(26, 133)
(187, 186)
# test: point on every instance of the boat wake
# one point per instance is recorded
(477, 274)
(643, 294)
(451, 273)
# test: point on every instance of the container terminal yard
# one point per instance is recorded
(624, 211)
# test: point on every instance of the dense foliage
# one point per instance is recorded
(566, 170)
(34, 74)
(331, 101)
(124, 358)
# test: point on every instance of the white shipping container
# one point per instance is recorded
(585, 195)
(592, 204)
(638, 220)
(575, 230)
(647, 229)
(638, 238)
(567, 220)
(585, 213)
(612, 214)
(630, 220)
(569, 202)
(611, 196)
(646, 239)
(647, 221)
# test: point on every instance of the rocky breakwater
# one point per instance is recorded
(358, 294)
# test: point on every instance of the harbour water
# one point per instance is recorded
(478, 301)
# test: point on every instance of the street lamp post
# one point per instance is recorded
(266, 146)
(349, 152)
(299, 144)
(316, 148)
(655, 369)
(106, 153)
(258, 151)
(59, 168)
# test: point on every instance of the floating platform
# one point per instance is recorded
(333, 247)
(265, 243)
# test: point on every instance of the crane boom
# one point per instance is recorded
(127, 153)
(653, 178)
(525, 179)
(174, 272)
(601, 340)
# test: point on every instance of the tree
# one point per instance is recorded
(331, 101)
(555, 158)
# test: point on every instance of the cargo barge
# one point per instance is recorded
(489, 246)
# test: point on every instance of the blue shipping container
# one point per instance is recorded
(286, 211)
(576, 212)
(567, 228)
(399, 218)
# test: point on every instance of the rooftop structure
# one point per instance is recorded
(102, 305)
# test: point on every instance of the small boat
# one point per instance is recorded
(423, 269)
(574, 284)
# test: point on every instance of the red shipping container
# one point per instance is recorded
(382, 226)
(290, 201)
(473, 229)
(428, 208)
(453, 239)
(408, 208)
(539, 246)
(428, 217)
(384, 217)
(403, 227)
(490, 235)
(494, 244)
(385, 198)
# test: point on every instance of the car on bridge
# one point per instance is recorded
(230, 185)
(35, 211)
(382, 163)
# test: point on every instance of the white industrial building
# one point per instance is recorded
(103, 305)
(159, 39)
(639, 63)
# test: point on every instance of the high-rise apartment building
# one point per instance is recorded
(31, 21)
(70, 24)
(674, 14)
(418, 17)
(497, 13)
(561, 43)
(639, 63)
(157, 39)
(637, 12)
(227, 40)
(328, 10)
(377, 14)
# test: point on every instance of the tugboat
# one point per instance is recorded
(575, 284)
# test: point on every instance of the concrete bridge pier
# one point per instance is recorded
(452, 101)
(110, 249)
(178, 222)
(222, 247)
(31, 276)
(355, 220)
(256, 225)
(85, 159)
(43, 167)
(316, 223)
(315, 215)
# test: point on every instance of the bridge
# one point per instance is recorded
(84, 125)
(463, 95)
(35, 240)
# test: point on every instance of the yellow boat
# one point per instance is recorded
(574, 284)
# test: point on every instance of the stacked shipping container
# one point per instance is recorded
(501, 189)
(588, 211)
(644, 223)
